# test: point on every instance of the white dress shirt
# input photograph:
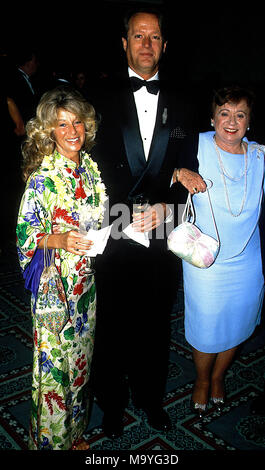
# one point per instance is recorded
(146, 105)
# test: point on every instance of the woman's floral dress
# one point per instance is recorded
(56, 193)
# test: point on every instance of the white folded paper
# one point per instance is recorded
(100, 238)
(139, 237)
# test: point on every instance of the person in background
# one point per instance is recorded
(12, 130)
(62, 181)
(19, 128)
(20, 86)
(79, 79)
(83, 80)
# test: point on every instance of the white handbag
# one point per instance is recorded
(189, 243)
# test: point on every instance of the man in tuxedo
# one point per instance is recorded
(142, 138)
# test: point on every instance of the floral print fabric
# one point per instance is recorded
(54, 195)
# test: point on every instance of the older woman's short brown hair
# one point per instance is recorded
(232, 94)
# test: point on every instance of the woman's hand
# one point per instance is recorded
(192, 181)
(71, 241)
(75, 242)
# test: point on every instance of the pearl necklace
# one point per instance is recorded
(224, 174)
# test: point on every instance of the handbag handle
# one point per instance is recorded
(48, 258)
(189, 211)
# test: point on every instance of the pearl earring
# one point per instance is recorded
(212, 124)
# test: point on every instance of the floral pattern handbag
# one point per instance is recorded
(189, 243)
(51, 309)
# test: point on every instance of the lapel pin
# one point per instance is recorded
(164, 116)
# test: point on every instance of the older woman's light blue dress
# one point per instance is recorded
(223, 302)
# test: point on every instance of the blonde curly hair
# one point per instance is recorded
(39, 139)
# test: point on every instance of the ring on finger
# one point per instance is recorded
(195, 189)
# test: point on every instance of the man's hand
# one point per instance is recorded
(150, 218)
(192, 181)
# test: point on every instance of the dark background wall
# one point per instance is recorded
(209, 44)
(213, 39)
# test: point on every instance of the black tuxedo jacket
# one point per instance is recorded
(119, 150)
(124, 267)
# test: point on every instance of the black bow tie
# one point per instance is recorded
(152, 86)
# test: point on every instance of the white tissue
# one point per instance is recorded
(100, 239)
(139, 237)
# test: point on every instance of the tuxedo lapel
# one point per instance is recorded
(160, 136)
(141, 169)
(131, 133)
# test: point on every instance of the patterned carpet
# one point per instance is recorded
(233, 429)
